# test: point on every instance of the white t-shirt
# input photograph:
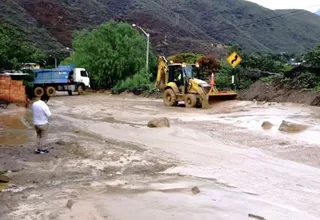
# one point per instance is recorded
(41, 113)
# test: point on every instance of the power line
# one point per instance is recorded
(298, 11)
(192, 32)
(267, 19)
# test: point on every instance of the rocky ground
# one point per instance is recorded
(105, 162)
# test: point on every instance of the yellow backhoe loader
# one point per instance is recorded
(178, 82)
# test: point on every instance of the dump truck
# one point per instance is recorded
(63, 78)
(181, 82)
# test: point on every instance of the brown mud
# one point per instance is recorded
(106, 160)
(271, 92)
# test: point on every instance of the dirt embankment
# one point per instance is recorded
(272, 92)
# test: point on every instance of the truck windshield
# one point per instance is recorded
(84, 73)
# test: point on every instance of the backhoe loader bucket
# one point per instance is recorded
(214, 98)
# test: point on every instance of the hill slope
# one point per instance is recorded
(175, 26)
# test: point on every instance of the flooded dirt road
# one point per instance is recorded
(106, 160)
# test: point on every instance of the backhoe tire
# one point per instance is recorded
(190, 101)
(169, 97)
(38, 92)
(50, 91)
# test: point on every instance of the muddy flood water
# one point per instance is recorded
(14, 126)
(219, 163)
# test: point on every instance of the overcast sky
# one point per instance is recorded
(289, 4)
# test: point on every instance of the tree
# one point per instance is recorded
(264, 62)
(185, 58)
(15, 49)
(112, 52)
(313, 57)
(208, 64)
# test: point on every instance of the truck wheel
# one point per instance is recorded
(80, 90)
(51, 91)
(169, 98)
(190, 101)
(38, 92)
(70, 92)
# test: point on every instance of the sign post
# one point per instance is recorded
(234, 59)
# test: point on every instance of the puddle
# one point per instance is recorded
(14, 128)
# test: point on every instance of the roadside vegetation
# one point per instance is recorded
(15, 49)
(115, 56)
(114, 53)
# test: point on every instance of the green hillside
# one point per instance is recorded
(175, 26)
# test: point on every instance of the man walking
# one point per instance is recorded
(41, 114)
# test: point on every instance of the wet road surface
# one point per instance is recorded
(239, 167)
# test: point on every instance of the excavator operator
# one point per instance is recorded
(178, 76)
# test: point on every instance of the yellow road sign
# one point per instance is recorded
(234, 59)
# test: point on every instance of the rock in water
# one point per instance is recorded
(4, 178)
(266, 125)
(159, 123)
(69, 204)
(195, 190)
(291, 127)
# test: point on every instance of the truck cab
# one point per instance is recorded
(79, 75)
(82, 76)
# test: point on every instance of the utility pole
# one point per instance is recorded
(147, 56)
(55, 61)
(148, 43)
(177, 18)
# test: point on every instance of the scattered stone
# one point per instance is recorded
(61, 142)
(195, 190)
(4, 178)
(256, 217)
(159, 123)
(266, 125)
(291, 127)
(69, 204)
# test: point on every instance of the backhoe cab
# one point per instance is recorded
(180, 82)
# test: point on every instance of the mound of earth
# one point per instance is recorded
(272, 92)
